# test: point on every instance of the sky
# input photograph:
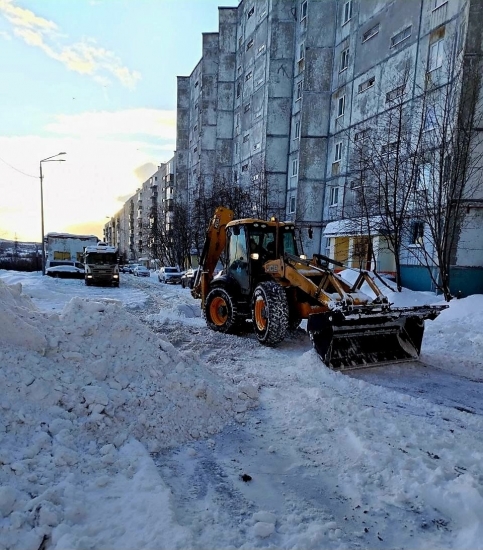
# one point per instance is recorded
(95, 79)
(124, 426)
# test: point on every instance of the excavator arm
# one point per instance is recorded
(212, 249)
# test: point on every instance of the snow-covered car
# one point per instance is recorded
(141, 271)
(169, 275)
(70, 270)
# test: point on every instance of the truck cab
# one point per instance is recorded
(101, 265)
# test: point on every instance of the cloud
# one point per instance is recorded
(145, 171)
(83, 57)
(129, 122)
(5, 35)
(91, 184)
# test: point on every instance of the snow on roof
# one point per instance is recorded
(353, 227)
(69, 236)
(101, 247)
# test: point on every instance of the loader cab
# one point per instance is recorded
(250, 245)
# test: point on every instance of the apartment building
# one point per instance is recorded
(135, 229)
(286, 88)
(283, 97)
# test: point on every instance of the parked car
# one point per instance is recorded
(169, 275)
(124, 268)
(66, 270)
(131, 268)
(141, 271)
(188, 278)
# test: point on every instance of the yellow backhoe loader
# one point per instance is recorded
(265, 279)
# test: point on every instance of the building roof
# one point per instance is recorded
(354, 227)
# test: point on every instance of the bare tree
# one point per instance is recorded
(169, 233)
(451, 164)
(384, 170)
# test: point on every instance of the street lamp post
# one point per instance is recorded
(48, 159)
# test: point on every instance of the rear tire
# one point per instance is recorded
(220, 311)
(270, 313)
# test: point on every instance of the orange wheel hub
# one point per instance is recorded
(218, 311)
(260, 317)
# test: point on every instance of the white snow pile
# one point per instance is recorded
(78, 390)
(452, 339)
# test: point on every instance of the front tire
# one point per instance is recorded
(270, 313)
(220, 311)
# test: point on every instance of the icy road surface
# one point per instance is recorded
(384, 457)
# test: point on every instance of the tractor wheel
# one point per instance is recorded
(270, 313)
(220, 311)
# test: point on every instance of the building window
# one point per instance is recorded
(436, 55)
(341, 106)
(250, 12)
(334, 196)
(259, 82)
(417, 233)
(438, 3)
(261, 49)
(361, 135)
(295, 167)
(302, 51)
(395, 93)
(400, 36)
(370, 33)
(346, 12)
(238, 90)
(245, 167)
(303, 10)
(195, 149)
(430, 118)
(338, 152)
(195, 128)
(249, 44)
(291, 205)
(259, 113)
(239, 70)
(461, 36)
(389, 148)
(344, 60)
(248, 75)
(246, 108)
(297, 130)
(367, 84)
(299, 90)
(196, 84)
(246, 137)
(257, 146)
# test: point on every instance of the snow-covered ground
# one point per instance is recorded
(126, 423)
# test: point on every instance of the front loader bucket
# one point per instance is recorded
(367, 339)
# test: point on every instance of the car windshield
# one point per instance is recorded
(171, 270)
(101, 258)
(141, 268)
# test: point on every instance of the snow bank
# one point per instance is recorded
(78, 389)
(455, 339)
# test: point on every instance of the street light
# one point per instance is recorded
(48, 159)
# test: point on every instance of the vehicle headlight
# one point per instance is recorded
(116, 276)
(89, 276)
